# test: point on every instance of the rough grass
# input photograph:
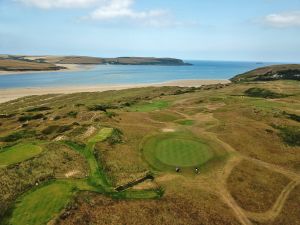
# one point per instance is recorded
(165, 116)
(18, 153)
(150, 106)
(175, 209)
(167, 151)
(255, 188)
(291, 210)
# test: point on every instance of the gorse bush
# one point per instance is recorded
(290, 134)
(263, 93)
(38, 109)
(18, 135)
(72, 114)
(292, 116)
(31, 117)
(116, 137)
(102, 107)
(56, 129)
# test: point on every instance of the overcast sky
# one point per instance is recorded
(246, 30)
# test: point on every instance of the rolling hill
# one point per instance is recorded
(269, 73)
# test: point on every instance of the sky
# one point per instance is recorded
(231, 30)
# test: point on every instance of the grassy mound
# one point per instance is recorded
(167, 151)
(18, 153)
(269, 73)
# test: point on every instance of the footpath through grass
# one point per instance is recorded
(18, 153)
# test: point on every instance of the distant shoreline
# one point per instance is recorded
(69, 68)
(14, 93)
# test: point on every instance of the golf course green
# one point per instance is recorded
(51, 197)
(167, 151)
(18, 153)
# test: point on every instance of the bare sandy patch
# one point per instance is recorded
(168, 130)
(14, 93)
(145, 185)
(61, 138)
(72, 173)
(90, 131)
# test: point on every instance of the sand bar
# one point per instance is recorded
(14, 93)
(69, 68)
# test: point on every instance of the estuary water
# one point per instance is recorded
(127, 74)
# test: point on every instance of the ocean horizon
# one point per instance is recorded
(130, 74)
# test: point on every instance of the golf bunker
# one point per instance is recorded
(167, 151)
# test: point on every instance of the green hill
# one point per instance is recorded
(269, 73)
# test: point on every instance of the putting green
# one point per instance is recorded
(166, 151)
(19, 153)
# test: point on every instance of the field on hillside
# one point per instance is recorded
(217, 154)
(23, 65)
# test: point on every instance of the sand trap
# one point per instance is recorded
(72, 173)
(168, 130)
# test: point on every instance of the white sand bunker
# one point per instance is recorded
(168, 130)
(72, 173)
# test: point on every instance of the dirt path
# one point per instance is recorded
(278, 169)
(271, 214)
(218, 184)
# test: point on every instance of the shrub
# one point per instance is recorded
(57, 117)
(50, 129)
(116, 137)
(110, 114)
(18, 135)
(31, 117)
(292, 116)
(290, 135)
(263, 93)
(102, 107)
(38, 109)
(56, 129)
(72, 114)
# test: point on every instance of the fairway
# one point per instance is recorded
(40, 206)
(102, 135)
(150, 106)
(18, 153)
(167, 151)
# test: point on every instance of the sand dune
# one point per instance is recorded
(14, 93)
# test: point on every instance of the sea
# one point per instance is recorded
(129, 74)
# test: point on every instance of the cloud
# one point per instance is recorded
(49, 4)
(283, 20)
(122, 9)
(112, 10)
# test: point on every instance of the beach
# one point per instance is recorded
(14, 93)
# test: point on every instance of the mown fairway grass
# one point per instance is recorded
(18, 153)
(167, 151)
(186, 122)
(102, 135)
(150, 106)
(39, 206)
